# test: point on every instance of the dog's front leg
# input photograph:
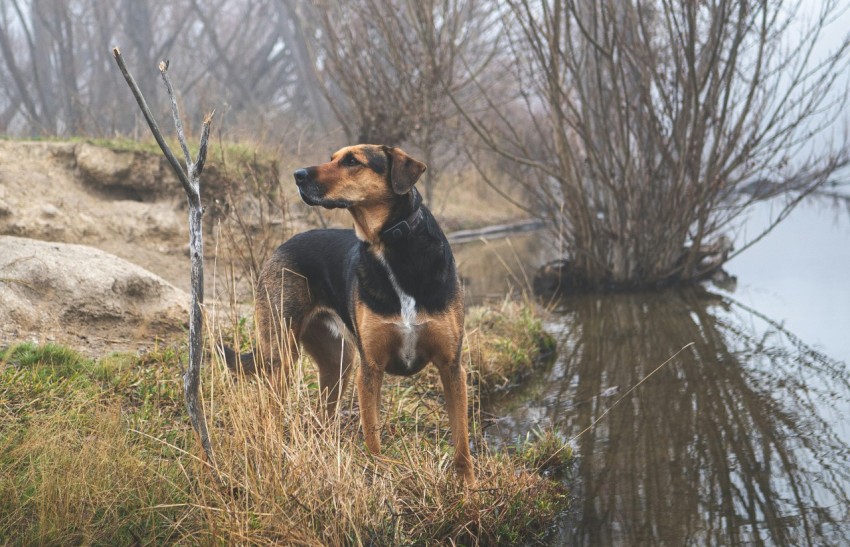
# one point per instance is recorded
(369, 379)
(453, 377)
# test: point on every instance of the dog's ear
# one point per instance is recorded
(404, 170)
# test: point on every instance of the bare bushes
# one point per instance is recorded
(384, 73)
(639, 129)
(252, 211)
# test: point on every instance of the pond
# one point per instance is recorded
(741, 437)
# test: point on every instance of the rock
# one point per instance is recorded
(49, 210)
(47, 286)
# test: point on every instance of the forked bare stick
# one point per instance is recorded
(190, 179)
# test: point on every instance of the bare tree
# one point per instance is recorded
(384, 70)
(60, 82)
(57, 54)
(307, 95)
(643, 122)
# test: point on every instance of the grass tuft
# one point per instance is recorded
(548, 453)
(505, 342)
(59, 359)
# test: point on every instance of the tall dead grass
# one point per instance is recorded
(290, 476)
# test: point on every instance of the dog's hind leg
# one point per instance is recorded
(324, 339)
(283, 304)
(238, 363)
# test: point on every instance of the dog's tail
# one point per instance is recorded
(244, 363)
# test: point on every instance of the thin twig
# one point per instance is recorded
(202, 151)
(634, 387)
(175, 113)
(143, 105)
(191, 184)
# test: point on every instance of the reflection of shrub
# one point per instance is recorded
(746, 403)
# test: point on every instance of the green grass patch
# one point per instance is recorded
(73, 468)
(33, 378)
(56, 359)
(235, 152)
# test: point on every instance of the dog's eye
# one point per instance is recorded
(349, 161)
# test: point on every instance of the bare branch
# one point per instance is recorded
(205, 136)
(175, 113)
(157, 134)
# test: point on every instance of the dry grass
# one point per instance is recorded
(100, 452)
(304, 482)
(73, 469)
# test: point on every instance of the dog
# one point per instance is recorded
(387, 291)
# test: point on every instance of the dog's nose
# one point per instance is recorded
(300, 176)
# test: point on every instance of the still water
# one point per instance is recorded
(742, 438)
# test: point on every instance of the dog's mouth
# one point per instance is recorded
(311, 196)
(314, 194)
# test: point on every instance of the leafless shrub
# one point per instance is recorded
(647, 125)
(254, 220)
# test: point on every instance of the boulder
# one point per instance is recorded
(59, 287)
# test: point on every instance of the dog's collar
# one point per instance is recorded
(399, 231)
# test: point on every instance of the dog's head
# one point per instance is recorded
(359, 175)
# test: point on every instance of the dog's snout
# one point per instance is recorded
(300, 176)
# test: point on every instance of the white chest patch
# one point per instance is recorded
(407, 325)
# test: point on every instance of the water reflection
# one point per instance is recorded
(739, 439)
(491, 269)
